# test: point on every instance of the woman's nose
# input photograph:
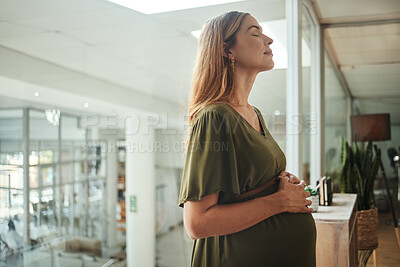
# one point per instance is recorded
(268, 40)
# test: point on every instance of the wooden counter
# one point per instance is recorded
(337, 232)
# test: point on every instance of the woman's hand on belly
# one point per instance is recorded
(292, 178)
(293, 197)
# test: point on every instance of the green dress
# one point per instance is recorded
(227, 155)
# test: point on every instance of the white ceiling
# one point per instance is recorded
(367, 55)
(99, 50)
(356, 10)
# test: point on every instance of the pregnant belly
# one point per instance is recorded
(280, 240)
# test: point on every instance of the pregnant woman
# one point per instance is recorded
(241, 207)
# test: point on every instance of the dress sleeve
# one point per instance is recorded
(210, 164)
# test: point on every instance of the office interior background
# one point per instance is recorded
(79, 185)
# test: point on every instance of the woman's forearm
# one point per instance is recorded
(226, 219)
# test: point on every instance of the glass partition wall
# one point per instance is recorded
(11, 173)
(66, 179)
(324, 104)
(336, 116)
(307, 117)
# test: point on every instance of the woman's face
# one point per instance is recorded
(251, 50)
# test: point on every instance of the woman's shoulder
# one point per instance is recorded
(217, 109)
(215, 113)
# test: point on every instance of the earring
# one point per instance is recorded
(233, 63)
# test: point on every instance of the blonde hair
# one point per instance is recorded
(212, 79)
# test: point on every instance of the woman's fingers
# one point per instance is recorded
(296, 200)
(303, 183)
(282, 174)
(293, 179)
(285, 178)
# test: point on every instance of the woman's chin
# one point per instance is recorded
(268, 67)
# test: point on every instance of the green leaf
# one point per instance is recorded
(359, 168)
(343, 154)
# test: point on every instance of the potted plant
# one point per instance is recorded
(314, 197)
(359, 170)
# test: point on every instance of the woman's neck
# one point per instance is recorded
(243, 81)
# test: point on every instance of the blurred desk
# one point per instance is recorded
(337, 232)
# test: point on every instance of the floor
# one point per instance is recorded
(42, 258)
(12, 263)
(388, 252)
(174, 249)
